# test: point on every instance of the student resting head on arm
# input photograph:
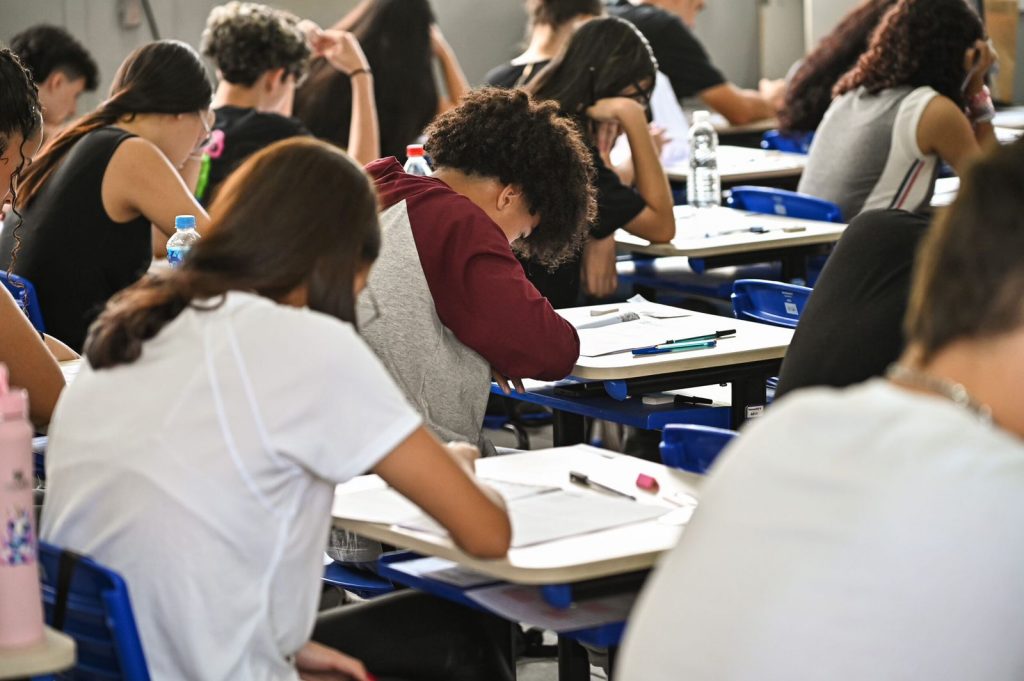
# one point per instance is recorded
(213, 499)
(551, 24)
(62, 69)
(603, 80)
(916, 97)
(261, 54)
(808, 92)
(402, 42)
(104, 193)
(509, 172)
(30, 364)
(867, 533)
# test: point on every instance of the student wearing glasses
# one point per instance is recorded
(261, 54)
(103, 195)
(603, 80)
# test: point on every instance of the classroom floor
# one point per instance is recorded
(547, 670)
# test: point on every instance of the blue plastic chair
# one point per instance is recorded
(771, 201)
(90, 603)
(769, 302)
(693, 448)
(25, 295)
(794, 143)
(360, 582)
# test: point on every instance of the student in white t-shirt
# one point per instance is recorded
(873, 532)
(197, 451)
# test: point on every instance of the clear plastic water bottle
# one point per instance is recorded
(417, 161)
(180, 243)
(703, 183)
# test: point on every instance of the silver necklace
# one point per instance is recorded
(954, 392)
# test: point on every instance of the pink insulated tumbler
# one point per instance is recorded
(21, 606)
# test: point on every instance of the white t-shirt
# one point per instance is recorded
(870, 533)
(204, 473)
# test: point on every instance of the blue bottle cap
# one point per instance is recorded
(185, 222)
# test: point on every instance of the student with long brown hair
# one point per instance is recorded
(213, 500)
(106, 190)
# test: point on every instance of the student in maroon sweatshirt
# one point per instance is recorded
(447, 305)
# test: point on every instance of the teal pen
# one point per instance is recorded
(675, 347)
(705, 337)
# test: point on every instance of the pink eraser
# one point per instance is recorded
(646, 482)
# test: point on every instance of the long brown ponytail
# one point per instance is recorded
(165, 77)
(298, 212)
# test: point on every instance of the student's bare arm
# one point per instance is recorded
(440, 482)
(944, 130)
(30, 364)
(737, 105)
(455, 84)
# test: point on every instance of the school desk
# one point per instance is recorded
(563, 568)
(724, 237)
(54, 654)
(745, 165)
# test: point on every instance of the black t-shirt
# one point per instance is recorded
(852, 327)
(514, 75)
(617, 205)
(71, 251)
(243, 132)
(680, 55)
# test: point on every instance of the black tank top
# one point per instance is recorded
(74, 254)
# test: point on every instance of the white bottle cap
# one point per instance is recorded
(701, 116)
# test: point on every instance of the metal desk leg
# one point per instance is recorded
(569, 429)
(748, 398)
(573, 662)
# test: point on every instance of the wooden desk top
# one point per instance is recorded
(599, 554)
(753, 342)
(715, 231)
(56, 653)
(745, 164)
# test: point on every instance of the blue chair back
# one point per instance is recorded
(25, 295)
(769, 302)
(90, 603)
(794, 143)
(363, 583)
(693, 448)
(772, 201)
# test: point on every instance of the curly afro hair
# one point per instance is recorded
(246, 39)
(918, 43)
(506, 135)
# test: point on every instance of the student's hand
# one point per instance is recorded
(660, 137)
(598, 274)
(341, 50)
(438, 44)
(504, 382)
(605, 134)
(465, 455)
(978, 59)
(773, 92)
(616, 110)
(316, 662)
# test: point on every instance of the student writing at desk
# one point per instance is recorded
(668, 25)
(865, 533)
(448, 302)
(213, 500)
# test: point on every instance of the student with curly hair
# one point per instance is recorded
(62, 69)
(402, 43)
(30, 364)
(261, 54)
(901, 110)
(448, 304)
(551, 24)
(101, 198)
(603, 81)
(809, 91)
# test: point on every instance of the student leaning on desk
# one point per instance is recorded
(872, 532)
(213, 498)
